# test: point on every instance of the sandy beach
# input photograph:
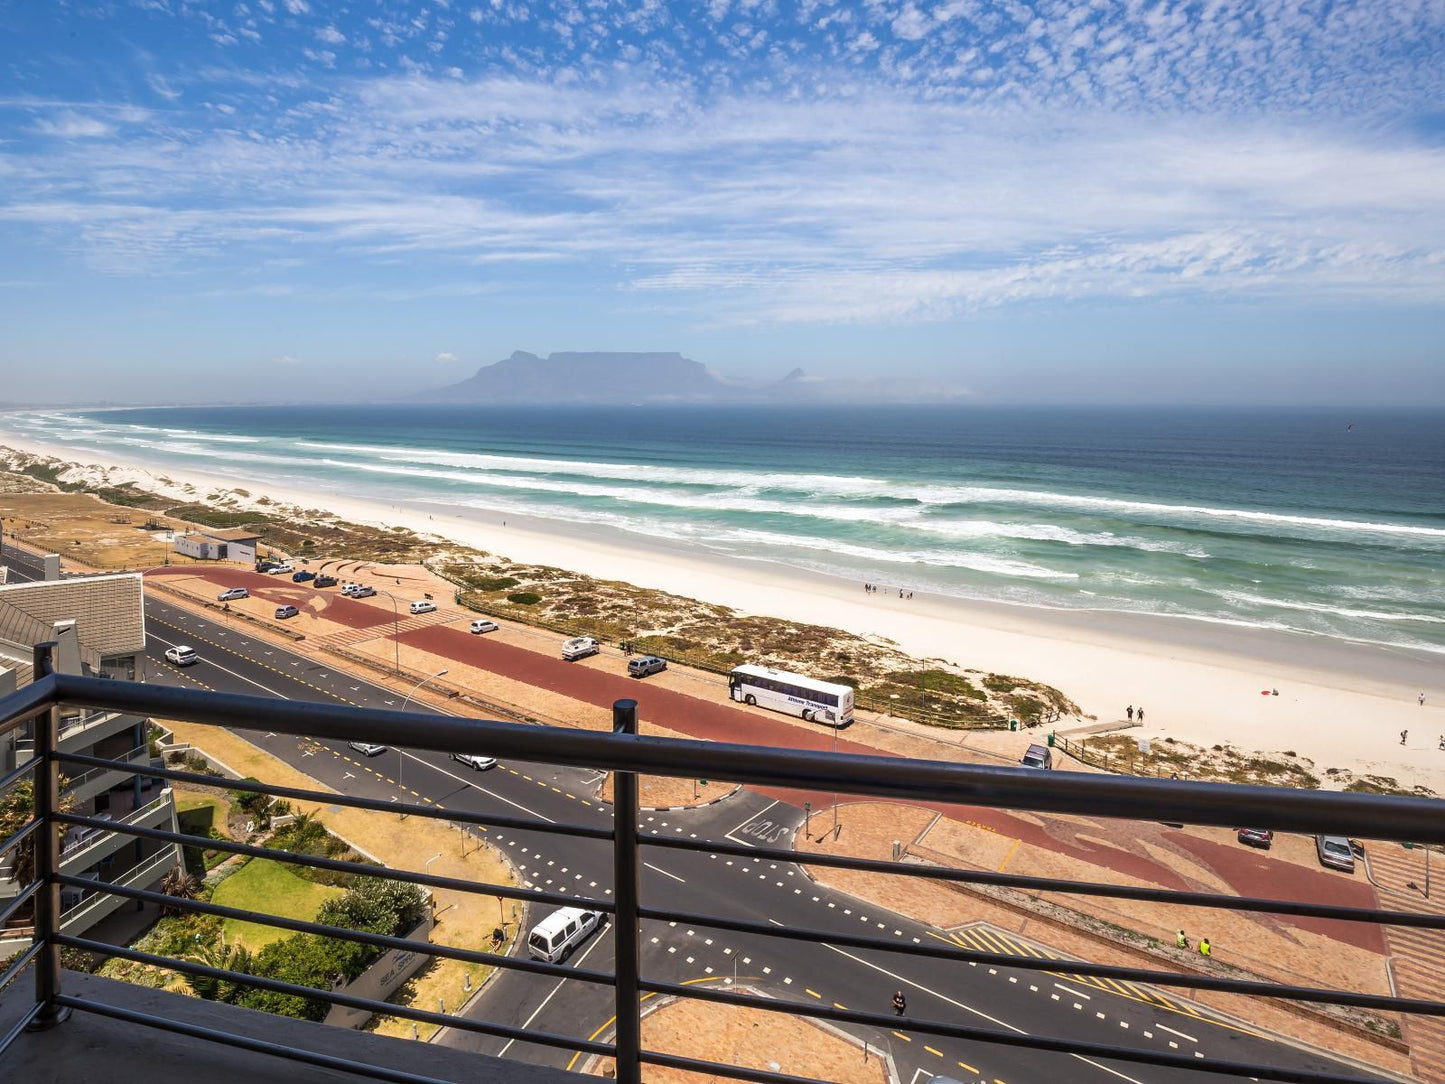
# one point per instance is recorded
(1341, 705)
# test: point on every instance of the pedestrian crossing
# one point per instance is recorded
(1417, 956)
(981, 937)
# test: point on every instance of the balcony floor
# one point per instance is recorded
(90, 1047)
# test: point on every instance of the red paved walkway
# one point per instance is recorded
(1247, 873)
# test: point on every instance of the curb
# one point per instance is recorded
(682, 808)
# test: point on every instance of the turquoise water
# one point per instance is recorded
(1286, 520)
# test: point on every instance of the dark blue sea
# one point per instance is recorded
(1322, 522)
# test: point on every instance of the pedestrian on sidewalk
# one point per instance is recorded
(1181, 941)
(1129, 711)
(1204, 947)
(900, 1003)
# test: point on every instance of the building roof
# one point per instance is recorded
(231, 534)
(107, 611)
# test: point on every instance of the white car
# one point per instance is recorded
(481, 624)
(367, 749)
(472, 760)
(230, 594)
(579, 647)
(362, 591)
(423, 607)
(285, 567)
(181, 655)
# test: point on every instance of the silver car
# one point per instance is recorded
(1335, 852)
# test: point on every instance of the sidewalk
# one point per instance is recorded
(1417, 956)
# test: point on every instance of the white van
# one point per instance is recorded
(554, 938)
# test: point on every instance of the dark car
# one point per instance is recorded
(324, 581)
(267, 566)
(1037, 756)
(1256, 837)
(646, 665)
(283, 612)
(302, 576)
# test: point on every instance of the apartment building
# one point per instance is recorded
(98, 623)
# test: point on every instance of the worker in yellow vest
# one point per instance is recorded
(1181, 941)
(1204, 949)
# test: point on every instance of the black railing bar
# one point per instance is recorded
(1060, 967)
(15, 966)
(327, 797)
(19, 1027)
(18, 902)
(335, 997)
(1054, 884)
(265, 918)
(733, 1072)
(1000, 1037)
(245, 1042)
(24, 704)
(31, 826)
(1372, 816)
(431, 880)
(12, 777)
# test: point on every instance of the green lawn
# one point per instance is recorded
(198, 812)
(263, 885)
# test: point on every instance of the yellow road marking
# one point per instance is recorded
(967, 1067)
(812, 993)
(905, 1038)
(1009, 855)
(932, 1051)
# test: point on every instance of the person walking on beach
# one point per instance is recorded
(900, 1003)
(1204, 947)
(1129, 711)
(1403, 735)
(1140, 716)
(1422, 700)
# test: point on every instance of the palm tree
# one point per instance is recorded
(216, 954)
(181, 885)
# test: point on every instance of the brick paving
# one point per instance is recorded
(1417, 956)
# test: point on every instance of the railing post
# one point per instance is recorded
(47, 851)
(627, 886)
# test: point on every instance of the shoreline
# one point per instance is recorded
(1341, 704)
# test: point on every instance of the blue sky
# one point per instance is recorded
(1138, 201)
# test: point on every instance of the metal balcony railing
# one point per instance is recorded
(628, 755)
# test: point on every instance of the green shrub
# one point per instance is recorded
(495, 583)
(525, 598)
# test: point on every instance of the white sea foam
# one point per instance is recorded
(1333, 611)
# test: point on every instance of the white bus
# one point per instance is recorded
(793, 693)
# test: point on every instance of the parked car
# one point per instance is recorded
(230, 594)
(423, 607)
(324, 581)
(181, 655)
(303, 576)
(472, 760)
(1037, 756)
(283, 612)
(554, 938)
(644, 665)
(481, 624)
(579, 647)
(362, 591)
(267, 566)
(366, 748)
(284, 568)
(1256, 837)
(1335, 852)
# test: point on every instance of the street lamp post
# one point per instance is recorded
(395, 629)
(400, 756)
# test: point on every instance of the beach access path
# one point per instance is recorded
(1417, 956)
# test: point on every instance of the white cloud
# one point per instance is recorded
(297, 7)
(286, 359)
(446, 357)
(70, 125)
(331, 36)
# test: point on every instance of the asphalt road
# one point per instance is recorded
(1003, 998)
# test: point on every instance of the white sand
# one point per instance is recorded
(1341, 705)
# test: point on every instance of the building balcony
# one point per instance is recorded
(69, 1026)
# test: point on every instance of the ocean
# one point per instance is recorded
(1324, 523)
